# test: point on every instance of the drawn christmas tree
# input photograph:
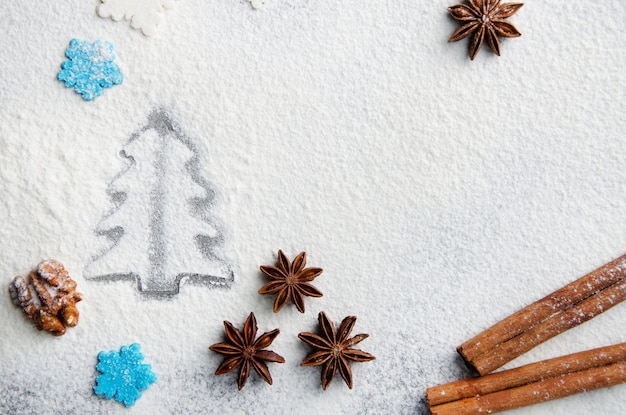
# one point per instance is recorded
(160, 230)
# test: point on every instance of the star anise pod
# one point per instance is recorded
(290, 281)
(334, 350)
(485, 18)
(242, 350)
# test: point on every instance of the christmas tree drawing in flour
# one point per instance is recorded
(160, 229)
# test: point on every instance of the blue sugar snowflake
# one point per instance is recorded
(90, 68)
(123, 375)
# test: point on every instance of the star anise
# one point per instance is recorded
(485, 18)
(334, 350)
(242, 350)
(290, 281)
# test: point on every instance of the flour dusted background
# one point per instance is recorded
(439, 195)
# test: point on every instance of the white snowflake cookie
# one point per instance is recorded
(145, 15)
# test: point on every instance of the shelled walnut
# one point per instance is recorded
(48, 297)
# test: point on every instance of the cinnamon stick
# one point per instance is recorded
(523, 375)
(532, 393)
(503, 341)
(573, 316)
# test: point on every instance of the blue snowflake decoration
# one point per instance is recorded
(123, 375)
(90, 68)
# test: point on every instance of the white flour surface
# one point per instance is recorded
(439, 195)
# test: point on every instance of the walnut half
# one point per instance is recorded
(48, 297)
